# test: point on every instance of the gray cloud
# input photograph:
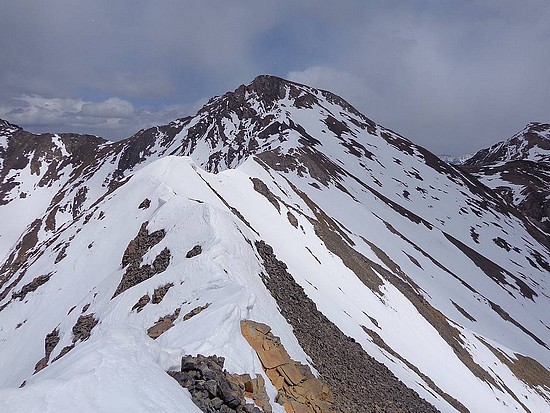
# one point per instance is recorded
(452, 76)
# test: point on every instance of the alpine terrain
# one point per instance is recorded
(519, 169)
(276, 252)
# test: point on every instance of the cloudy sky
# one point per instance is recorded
(451, 75)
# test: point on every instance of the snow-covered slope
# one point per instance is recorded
(519, 170)
(401, 257)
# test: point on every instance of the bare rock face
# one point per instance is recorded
(133, 255)
(51, 340)
(83, 327)
(299, 390)
(142, 302)
(254, 388)
(146, 203)
(193, 252)
(160, 292)
(195, 311)
(214, 389)
(32, 286)
(163, 324)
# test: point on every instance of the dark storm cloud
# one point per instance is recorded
(452, 76)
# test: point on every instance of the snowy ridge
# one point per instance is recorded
(519, 170)
(530, 144)
(399, 250)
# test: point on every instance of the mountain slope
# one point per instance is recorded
(283, 187)
(519, 170)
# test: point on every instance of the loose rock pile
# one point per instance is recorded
(212, 388)
(358, 382)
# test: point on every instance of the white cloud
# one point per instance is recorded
(113, 118)
(110, 108)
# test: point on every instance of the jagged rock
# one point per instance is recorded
(146, 203)
(142, 243)
(83, 327)
(298, 389)
(212, 388)
(195, 311)
(163, 324)
(32, 286)
(133, 255)
(51, 340)
(196, 250)
(261, 188)
(254, 388)
(160, 292)
(63, 351)
(142, 302)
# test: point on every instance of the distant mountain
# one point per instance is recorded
(519, 170)
(278, 251)
(455, 160)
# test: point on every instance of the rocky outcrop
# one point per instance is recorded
(212, 388)
(32, 286)
(133, 255)
(298, 389)
(163, 324)
(83, 327)
(146, 203)
(160, 292)
(196, 250)
(195, 311)
(358, 382)
(51, 340)
(142, 302)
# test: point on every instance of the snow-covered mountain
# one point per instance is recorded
(519, 170)
(455, 160)
(337, 264)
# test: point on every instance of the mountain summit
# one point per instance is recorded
(519, 170)
(277, 252)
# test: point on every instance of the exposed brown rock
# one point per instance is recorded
(160, 292)
(163, 324)
(63, 351)
(32, 286)
(136, 273)
(253, 388)
(292, 219)
(83, 327)
(298, 389)
(195, 311)
(261, 188)
(142, 302)
(51, 340)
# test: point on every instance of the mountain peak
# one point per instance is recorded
(277, 231)
(4, 124)
(542, 129)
